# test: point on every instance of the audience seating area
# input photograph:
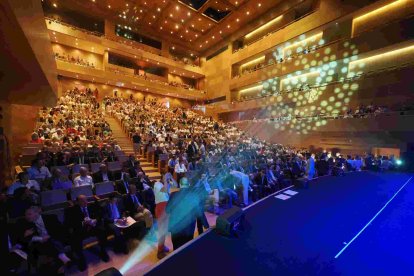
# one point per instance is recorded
(73, 161)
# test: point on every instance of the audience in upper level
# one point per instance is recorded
(75, 60)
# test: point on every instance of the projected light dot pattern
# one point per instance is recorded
(308, 86)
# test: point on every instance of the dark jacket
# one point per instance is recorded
(129, 204)
(53, 227)
(98, 178)
(183, 209)
(107, 211)
(74, 216)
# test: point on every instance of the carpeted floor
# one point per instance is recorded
(303, 234)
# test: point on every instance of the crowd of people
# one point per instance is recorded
(213, 165)
(75, 60)
(146, 77)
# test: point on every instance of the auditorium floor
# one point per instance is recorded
(140, 264)
(357, 224)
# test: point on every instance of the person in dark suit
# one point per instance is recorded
(130, 163)
(114, 213)
(102, 175)
(183, 209)
(191, 151)
(84, 221)
(42, 234)
(260, 180)
(134, 171)
(122, 185)
(135, 208)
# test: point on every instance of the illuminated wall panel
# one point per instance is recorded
(392, 57)
(381, 15)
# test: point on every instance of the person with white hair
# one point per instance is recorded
(83, 179)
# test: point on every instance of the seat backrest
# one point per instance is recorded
(30, 150)
(63, 169)
(122, 158)
(113, 166)
(81, 190)
(59, 212)
(76, 167)
(163, 157)
(102, 188)
(53, 197)
(119, 153)
(95, 167)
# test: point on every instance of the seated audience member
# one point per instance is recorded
(84, 221)
(171, 164)
(183, 209)
(122, 185)
(35, 139)
(42, 235)
(261, 183)
(38, 170)
(135, 207)
(180, 169)
(134, 172)
(60, 181)
(22, 199)
(130, 163)
(102, 175)
(115, 213)
(83, 179)
(23, 181)
(358, 163)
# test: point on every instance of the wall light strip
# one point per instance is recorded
(382, 9)
(314, 37)
(257, 60)
(299, 76)
(264, 26)
(254, 88)
(382, 55)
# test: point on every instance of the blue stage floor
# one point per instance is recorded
(302, 235)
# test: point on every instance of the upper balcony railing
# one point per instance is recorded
(311, 49)
(131, 44)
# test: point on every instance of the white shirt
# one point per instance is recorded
(18, 184)
(180, 168)
(83, 180)
(159, 195)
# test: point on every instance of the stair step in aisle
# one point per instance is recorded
(126, 145)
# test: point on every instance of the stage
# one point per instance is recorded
(357, 224)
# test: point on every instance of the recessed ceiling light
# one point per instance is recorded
(260, 4)
(247, 12)
(158, 9)
(55, 5)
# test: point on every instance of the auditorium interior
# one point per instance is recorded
(200, 137)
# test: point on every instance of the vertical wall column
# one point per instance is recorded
(165, 49)
(109, 28)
